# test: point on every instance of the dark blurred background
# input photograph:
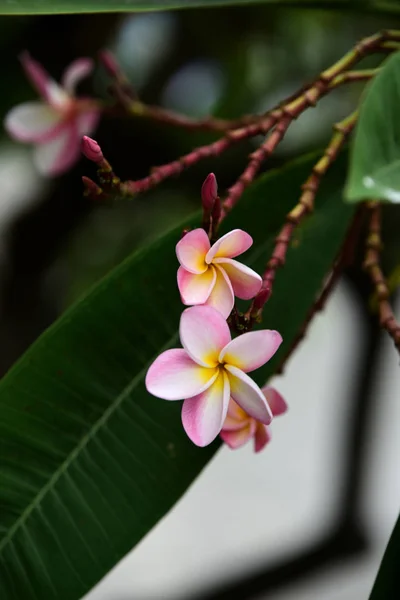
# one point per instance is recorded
(55, 243)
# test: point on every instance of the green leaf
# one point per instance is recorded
(375, 154)
(32, 7)
(387, 583)
(89, 462)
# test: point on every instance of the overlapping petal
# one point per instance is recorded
(262, 437)
(47, 88)
(221, 297)
(59, 153)
(230, 245)
(251, 350)
(237, 438)
(32, 122)
(276, 402)
(174, 376)
(203, 415)
(191, 251)
(248, 395)
(203, 332)
(77, 70)
(246, 283)
(195, 289)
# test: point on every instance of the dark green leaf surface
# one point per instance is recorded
(18, 7)
(387, 583)
(89, 462)
(375, 154)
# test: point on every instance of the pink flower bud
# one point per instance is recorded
(91, 149)
(91, 188)
(209, 192)
(262, 297)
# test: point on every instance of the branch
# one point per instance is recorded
(374, 270)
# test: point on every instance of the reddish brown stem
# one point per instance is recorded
(373, 268)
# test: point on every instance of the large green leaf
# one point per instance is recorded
(89, 462)
(375, 154)
(18, 7)
(387, 583)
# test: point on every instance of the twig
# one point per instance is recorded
(373, 268)
(343, 260)
(306, 201)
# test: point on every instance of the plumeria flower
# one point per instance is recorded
(211, 368)
(239, 427)
(56, 124)
(209, 275)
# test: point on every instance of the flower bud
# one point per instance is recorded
(91, 149)
(262, 297)
(110, 64)
(209, 193)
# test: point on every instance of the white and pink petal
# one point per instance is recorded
(230, 245)
(32, 122)
(222, 297)
(203, 332)
(204, 415)
(248, 395)
(77, 70)
(251, 350)
(174, 376)
(59, 153)
(191, 251)
(246, 283)
(195, 289)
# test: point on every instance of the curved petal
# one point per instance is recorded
(251, 350)
(60, 153)
(87, 121)
(203, 332)
(77, 70)
(46, 87)
(230, 245)
(248, 395)
(235, 412)
(246, 283)
(191, 251)
(32, 122)
(195, 289)
(262, 437)
(222, 297)
(276, 402)
(174, 376)
(203, 416)
(236, 439)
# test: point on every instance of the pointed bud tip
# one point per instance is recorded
(262, 297)
(91, 149)
(209, 192)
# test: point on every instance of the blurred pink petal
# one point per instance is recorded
(246, 283)
(250, 351)
(203, 415)
(77, 70)
(174, 375)
(192, 249)
(262, 437)
(59, 153)
(237, 438)
(195, 289)
(87, 121)
(203, 332)
(46, 87)
(222, 297)
(276, 402)
(230, 245)
(248, 395)
(32, 122)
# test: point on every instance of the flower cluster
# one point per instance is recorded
(210, 372)
(56, 124)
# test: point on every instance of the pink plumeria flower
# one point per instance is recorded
(56, 124)
(209, 275)
(211, 368)
(239, 427)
